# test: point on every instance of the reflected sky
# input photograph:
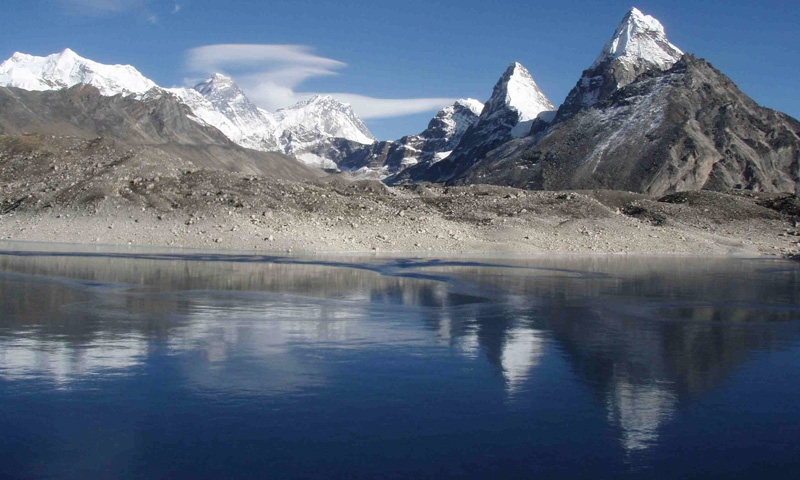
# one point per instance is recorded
(475, 361)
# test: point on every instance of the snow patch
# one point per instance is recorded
(317, 161)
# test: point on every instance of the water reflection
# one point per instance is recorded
(63, 363)
(639, 410)
(641, 336)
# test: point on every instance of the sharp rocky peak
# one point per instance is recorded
(453, 120)
(639, 42)
(516, 90)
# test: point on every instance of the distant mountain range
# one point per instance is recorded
(217, 102)
(643, 117)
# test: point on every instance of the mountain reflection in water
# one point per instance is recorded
(489, 350)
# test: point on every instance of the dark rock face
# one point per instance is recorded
(158, 120)
(688, 128)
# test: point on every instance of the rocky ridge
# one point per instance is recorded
(444, 132)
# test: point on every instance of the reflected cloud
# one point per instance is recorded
(64, 363)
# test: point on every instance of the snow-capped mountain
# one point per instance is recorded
(450, 124)
(218, 102)
(639, 45)
(325, 116)
(510, 112)
(647, 118)
(304, 130)
(515, 103)
(66, 69)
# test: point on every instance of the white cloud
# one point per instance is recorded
(257, 58)
(370, 107)
(177, 8)
(101, 7)
(270, 75)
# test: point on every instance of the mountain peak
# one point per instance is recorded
(517, 91)
(68, 52)
(221, 79)
(217, 82)
(639, 41)
(639, 45)
(475, 106)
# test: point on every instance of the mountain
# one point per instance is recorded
(644, 117)
(325, 116)
(219, 102)
(639, 45)
(66, 69)
(155, 119)
(310, 130)
(516, 103)
(309, 125)
(444, 132)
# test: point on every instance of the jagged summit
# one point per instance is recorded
(66, 69)
(638, 40)
(517, 91)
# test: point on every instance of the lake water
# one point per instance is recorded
(132, 363)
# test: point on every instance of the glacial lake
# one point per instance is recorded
(168, 364)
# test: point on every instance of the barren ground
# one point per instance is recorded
(67, 189)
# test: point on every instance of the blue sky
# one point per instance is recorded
(419, 52)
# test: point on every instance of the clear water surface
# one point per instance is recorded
(126, 363)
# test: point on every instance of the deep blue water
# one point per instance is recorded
(146, 364)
